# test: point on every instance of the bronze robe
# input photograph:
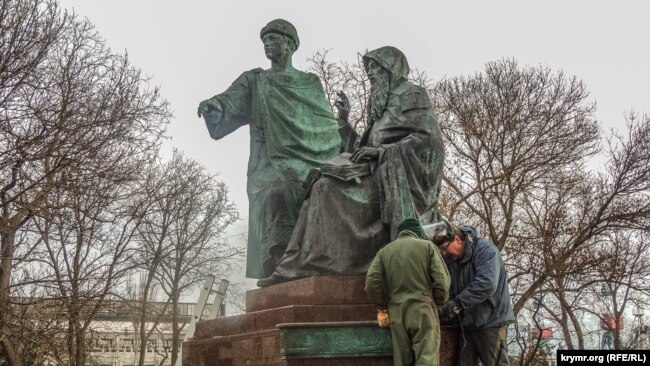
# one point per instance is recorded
(292, 130)
(343, 224)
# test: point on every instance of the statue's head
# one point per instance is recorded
(391, 60)
(377, 74)
(279, 37)
(386, 68)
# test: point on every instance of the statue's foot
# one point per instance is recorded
(269, 281)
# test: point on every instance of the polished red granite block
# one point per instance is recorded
(267, 319)
(318, 290)
(256, 348)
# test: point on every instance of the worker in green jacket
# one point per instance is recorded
(409, 278)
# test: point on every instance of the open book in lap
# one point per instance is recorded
(339, 167)
(342, 168)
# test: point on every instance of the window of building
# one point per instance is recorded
(127, 345)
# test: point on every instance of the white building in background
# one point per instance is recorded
(116, 342)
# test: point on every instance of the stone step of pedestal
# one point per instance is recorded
(268, 319)
(318, 290)
(359, 343)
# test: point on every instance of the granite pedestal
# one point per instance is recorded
(326, 320)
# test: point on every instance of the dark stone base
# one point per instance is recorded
(310, 322)
(260, 348)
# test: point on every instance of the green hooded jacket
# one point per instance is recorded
(409, 268)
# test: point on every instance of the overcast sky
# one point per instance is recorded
(195, 49)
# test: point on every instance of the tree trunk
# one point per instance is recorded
(70, 340)
(175, 329)
(7, 242)
(574, 322)
(10, 353)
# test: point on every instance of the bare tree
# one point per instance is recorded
(560, 232)
(593, 290)
(180, 241)
(86, 243)
(72, 115)
(507, 130)
(27, 32)
(623, 275)
(146, 314)
(569, 240)
(518, 142)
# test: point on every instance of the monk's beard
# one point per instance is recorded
(378, 100)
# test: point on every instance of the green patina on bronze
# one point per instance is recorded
(292, 130)
(345, 222)
(334, 340)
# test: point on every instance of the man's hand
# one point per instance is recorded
(383, 318)
(207, 107)
(343, 106)
(449, 311)
(365, 153)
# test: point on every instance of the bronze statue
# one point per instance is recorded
(344, 222)
(292, 130)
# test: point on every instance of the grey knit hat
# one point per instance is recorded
(441, 232)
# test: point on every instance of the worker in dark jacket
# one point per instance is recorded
(408, 276)
(479, 294)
